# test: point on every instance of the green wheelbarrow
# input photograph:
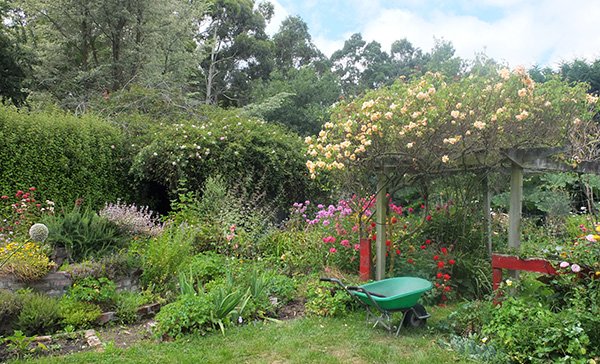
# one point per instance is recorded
(388, 296)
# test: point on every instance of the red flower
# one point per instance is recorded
(444, 298)
(446, 276)
(394, 220)
(437, 285)
(388, 243)
(422, 206)
(405, 226)
(31, 188)
(410, 260)
(397, 252)
(451, 262)
(445, 251)
(437, 208)
(441, 264)
(374, 237)
(427, 241)
(439, 275)
(4, 197)
(446, 288)
(428, 217)
(373, 224)
(436, 257)
(422, 246)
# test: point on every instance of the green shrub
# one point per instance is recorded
(207, 266)
(64, 156)
(325, 299)
(164, 255)
(230, 146)
(126, 305)
(99, 291)
(78, 314)
(40, 315)
(282, 287)
(84, 234)
(10, 306)
(190, 314)
(533, 333)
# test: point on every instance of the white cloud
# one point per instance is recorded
(516, 31)
(279, 16)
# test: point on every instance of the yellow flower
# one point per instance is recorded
(598, 228)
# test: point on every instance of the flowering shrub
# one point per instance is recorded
(21, 210)
(26, 261)
(130, 219)
(427, 125)
(228, 145)
(418, 243)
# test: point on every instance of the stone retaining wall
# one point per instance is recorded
(56, 284)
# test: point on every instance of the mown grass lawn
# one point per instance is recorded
(308, 340)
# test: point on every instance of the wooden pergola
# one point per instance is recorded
(518, 161)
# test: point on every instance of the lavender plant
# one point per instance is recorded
(132, 220)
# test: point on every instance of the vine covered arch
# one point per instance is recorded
(482, 123)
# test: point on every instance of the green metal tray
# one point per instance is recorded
(400, 293)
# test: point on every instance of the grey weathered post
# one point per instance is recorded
(380, 226)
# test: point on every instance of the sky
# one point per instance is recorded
(515, 32)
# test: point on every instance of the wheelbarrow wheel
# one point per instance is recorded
(412, 316)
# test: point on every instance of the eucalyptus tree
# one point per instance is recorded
(13, 61)
(87, 47)
(301, 81)
(236, 50)
(361, 65)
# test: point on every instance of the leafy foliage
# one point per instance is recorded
(84, 234)
(239, 150)
(65, 157)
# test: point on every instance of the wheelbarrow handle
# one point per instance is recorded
(360, 289)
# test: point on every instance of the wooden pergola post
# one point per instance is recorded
(487, 215)
(381, 206)
(515, 212)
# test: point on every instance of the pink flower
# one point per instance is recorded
(356, 246)
(410, 209)
(332, 250)
(4, 197)
(575, 268)
(590, 238)
(31, 188)
(564, 264)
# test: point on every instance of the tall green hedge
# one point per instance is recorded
(63, 156)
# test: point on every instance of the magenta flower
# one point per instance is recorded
(575, 268)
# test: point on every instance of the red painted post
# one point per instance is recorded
(365, 259)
